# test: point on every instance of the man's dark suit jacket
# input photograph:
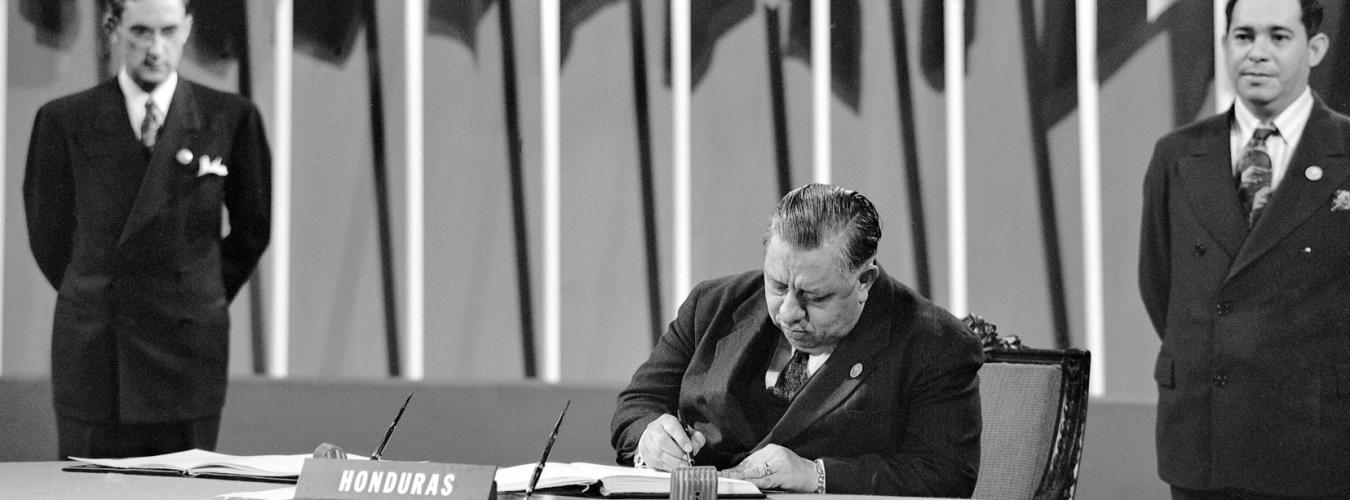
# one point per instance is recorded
(895, 410)
(1254, 371)
(132, 243)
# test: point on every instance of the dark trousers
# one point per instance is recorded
(78, 438)
(1235, 494)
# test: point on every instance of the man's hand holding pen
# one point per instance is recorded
(667, 443)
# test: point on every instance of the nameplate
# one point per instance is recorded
(329, 479)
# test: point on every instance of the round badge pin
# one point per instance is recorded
(1313, 173)
(855, 371)
(183, 156)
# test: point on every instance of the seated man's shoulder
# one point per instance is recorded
(733, 285)
(929, 324)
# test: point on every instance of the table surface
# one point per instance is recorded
(46, 481)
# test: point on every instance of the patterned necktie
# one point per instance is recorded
(1254, 172)
(792, 378)
(150, 125)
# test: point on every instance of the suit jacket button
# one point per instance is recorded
(1200, 249)
(1221, 380)
(1223, 308)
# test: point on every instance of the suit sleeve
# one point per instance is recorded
(49, 197)
(655, 387)
(939, 452)
(1155, 266)
(248, 197)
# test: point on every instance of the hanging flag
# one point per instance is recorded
(1329, 78)
(56, 21)
(218, 32)
(845, 45)
(709, 20)
(457, 19)
(1124, 28)
(932, 42)
(573, 13)
(326, 29)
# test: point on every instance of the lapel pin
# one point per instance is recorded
(855, 371)
(183, 156)
(1313, 173)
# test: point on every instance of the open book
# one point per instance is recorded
(201, 463)
(610, 480)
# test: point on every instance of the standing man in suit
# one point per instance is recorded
(124, 191)
(1244, 269)
(817, 373)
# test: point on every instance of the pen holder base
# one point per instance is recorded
(693, 483)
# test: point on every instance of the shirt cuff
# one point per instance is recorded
(820, 476)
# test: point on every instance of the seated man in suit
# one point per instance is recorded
(817, 373)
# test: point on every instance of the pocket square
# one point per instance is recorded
(206, 165)
(1340, 201)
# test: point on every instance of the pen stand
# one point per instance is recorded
(693, 483)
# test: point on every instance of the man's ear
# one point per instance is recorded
(1317, 48)
(867, 277)
(187, 26)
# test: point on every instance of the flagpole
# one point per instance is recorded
(955, 69)
(375, 89)
(1089, 150)
(511, 111)
(281, 194)
(908, 140)
(642, 108)
(414, 31)
(257, 310)
(776, 94)
(4, 166)
(550, 36)
(820, 86)
(1223, 84)
(680, 90)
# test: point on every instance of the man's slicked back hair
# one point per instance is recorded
(1311, 17)
(816, 214)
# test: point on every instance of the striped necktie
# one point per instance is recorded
(149, 125)
(1254, 173)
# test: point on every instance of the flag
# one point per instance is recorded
(326, 29)
(709, 20)
(845, 45)
(1124, 28)
(56, 21)
(1329, 78)
(457, 19)
(218, 32)
(575, 12)
(932, 42)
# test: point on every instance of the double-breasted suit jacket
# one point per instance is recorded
(132, 241)
(1254, 371)
(895, 409)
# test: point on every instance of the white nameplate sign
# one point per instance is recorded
(330, 479)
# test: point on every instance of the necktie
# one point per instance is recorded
(150, 125)
(792, 378)
(1254, 174)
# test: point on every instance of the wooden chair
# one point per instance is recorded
(1034, 408)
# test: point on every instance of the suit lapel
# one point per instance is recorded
(729, 364)
(157, 186)
(1298, 197)
(835, 381)
(111, 140)
(1206, 177)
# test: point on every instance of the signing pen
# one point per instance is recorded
(390, 433)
